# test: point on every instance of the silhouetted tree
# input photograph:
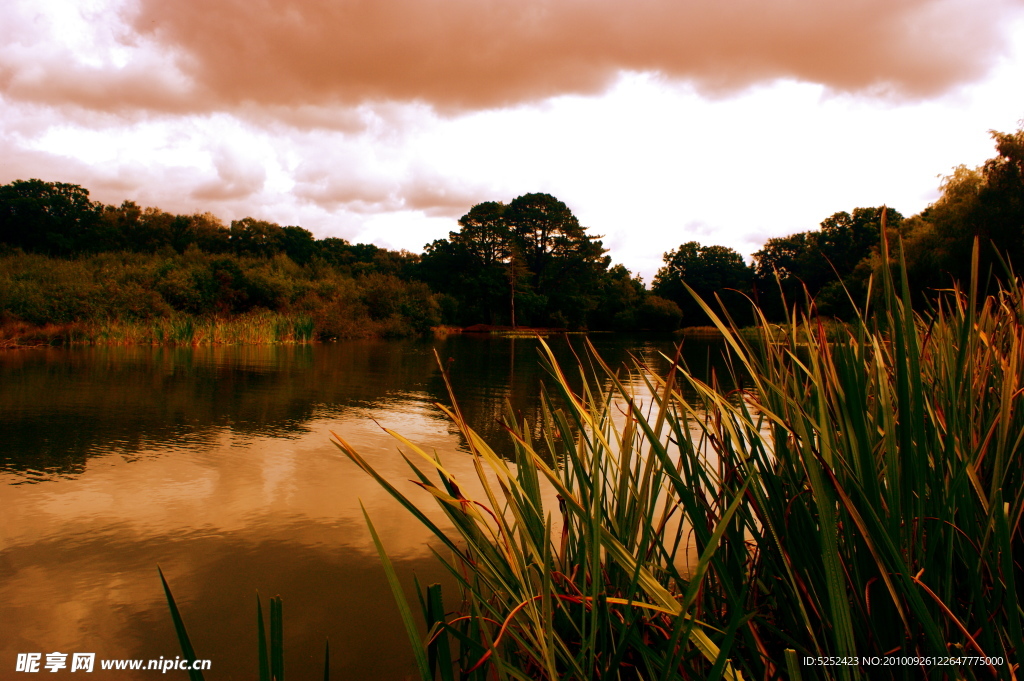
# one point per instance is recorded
(46, 217)
(829, 264)
(621, 295)
(203, 231)
(532, 251)
(475, 266)
(298, 243)
(707, 270)
(259, 238)
(565, 264)
(986, 203)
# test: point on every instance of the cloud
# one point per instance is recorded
(238, 177)
(439, 196)
(467, 54)
(361, 185)
(234, 168)
(55, 79)
(458, 55)
(85, 55)
(109, 184)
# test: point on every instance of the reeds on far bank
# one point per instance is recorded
(255, 328)
(860, 500)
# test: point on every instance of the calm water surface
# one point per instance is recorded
(216, 464)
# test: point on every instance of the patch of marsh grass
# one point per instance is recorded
(861, 497)
(255, 328)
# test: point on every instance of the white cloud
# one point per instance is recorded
(649, 163)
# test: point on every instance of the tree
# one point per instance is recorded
(131, 227)
(984, 203)
(533, 251)
(845, 245)
(46, 217)
(565, 264)
(298, 243)
(783, 257)
(485, 234)
(998, 214)
(250, 236)
(658, 314)
(621, 298)
(708, 271)
(475, 266)
(830, 264)
(204, 231)
(114, 226)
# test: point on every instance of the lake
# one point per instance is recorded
(215, 463)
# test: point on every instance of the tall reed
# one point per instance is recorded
(858, 501)
(252, 328)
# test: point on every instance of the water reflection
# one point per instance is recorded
(215, 463)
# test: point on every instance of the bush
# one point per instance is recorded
(106, 288)
(659, 314)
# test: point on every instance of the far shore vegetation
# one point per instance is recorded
(77, 271)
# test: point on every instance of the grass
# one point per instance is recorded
(834, 330)
(270, 655)
(710, 332)
(254, 328)
(861, 497)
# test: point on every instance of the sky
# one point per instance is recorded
(383, 121)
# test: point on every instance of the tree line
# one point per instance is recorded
(73, 264)
(531, 263)
(59, 219)
(831, 267)
(528, 262)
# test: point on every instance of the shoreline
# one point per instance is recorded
(252, 329)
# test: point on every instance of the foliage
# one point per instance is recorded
(829, 264)
(133, 297)
(403, 307)
(708, 271)
(485, 234)
(856, 498)
(527, 262)
(984, 203)
(530, 259)
(620, 297)
(59, 219)
(658, 314)
(187, 651)
(563, 261)
(475, 266)
(48, 217)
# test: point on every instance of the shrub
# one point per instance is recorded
(659, 314)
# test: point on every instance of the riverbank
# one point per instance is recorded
(256, 328)
(196, 298)
(831, 329)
